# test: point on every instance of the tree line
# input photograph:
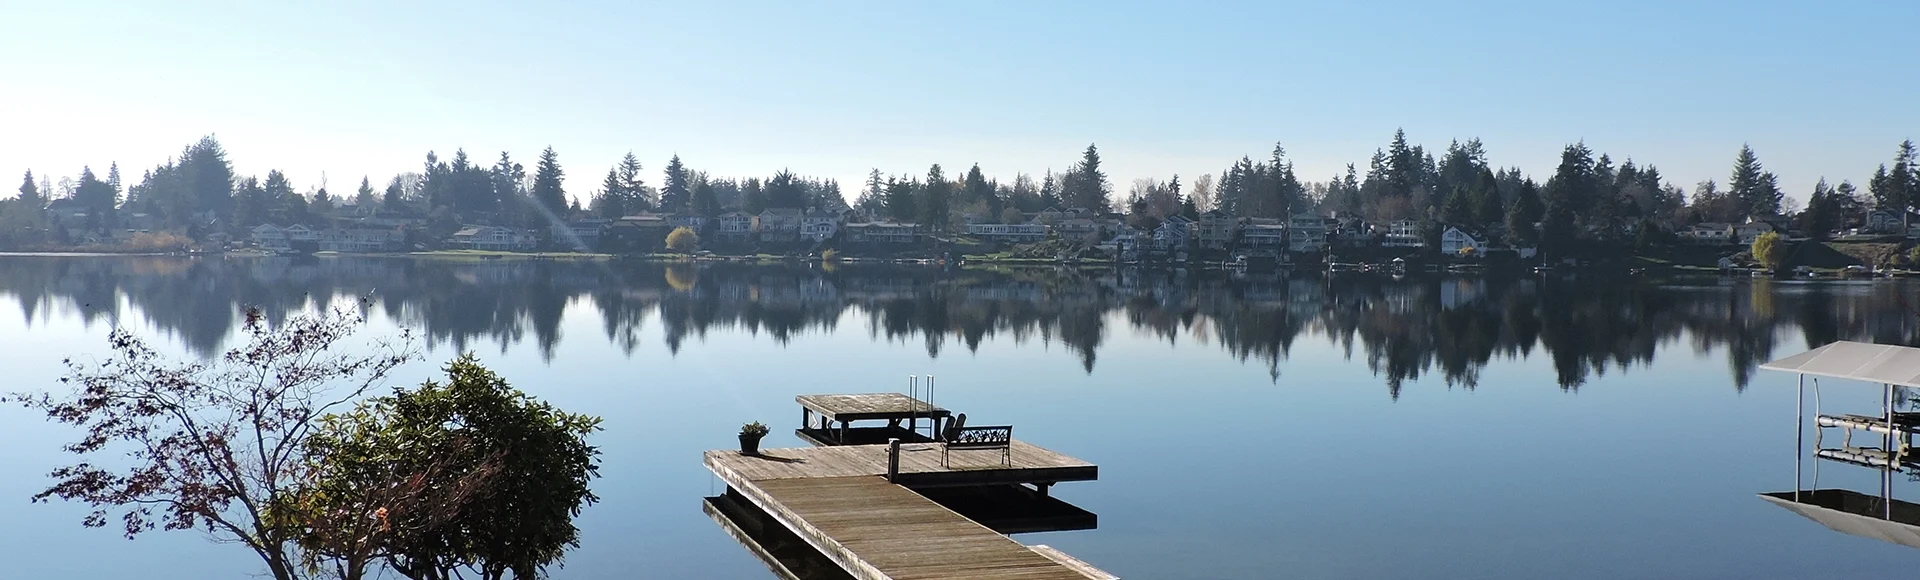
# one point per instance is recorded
(1588, 199)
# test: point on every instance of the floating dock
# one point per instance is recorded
(840, 501)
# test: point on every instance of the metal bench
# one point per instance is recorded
(959, 436)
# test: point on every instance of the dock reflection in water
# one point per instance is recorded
(1888, 437)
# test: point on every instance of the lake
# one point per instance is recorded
(1245, 425)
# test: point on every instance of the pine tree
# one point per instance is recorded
(633, 189)
(1489, 207)
(1524, 213)
(1050, 192)
(393, 199)
(1894, 189)
(753, 199)
(30, 194)
(1752, 187)
(1458, 210)
(1086, 186)
(364, 197)
(703, 200)
(611, 202)
(1822, 213)
(873, 194)
(547, 191)
(936, 199)
(675, 195)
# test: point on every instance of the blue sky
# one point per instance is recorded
(835, 88)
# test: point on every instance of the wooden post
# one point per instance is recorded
(893, 459)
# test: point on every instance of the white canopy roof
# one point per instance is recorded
(1873, 363)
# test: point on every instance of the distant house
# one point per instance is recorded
(271, 238)
(1882, 221)
(1008, 233)
(643, 232)
(494, 238)
(1215, 229)
(1268, 236)
(818, 225)
(1050, 216)
(1454, 241)
(1306, 232)
(1708, 234)
(882, 233)
(692, 221)
(1404, 234)
(1752, 230)
(362, 240)
(778, 224)
(297, 233)
(1175, 233)
(736, 226)
(1077, 229)
(580, 235)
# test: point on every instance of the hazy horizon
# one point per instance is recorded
(836, 90)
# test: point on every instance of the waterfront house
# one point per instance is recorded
(1403, 234)
(1881, 221)
(1263, 234)
(1307, 232)
(1008, 233)
(1175, 233)
(778, 224)
(270, 237)
(1215, 229)
(1708, 234)
(882, 233)
(1454, 241)
(494, 238)
(581, 235)
(818, 225)
(362, 240)
(689, 220)
(736, 226)
(1078, 229)
(1752, 230)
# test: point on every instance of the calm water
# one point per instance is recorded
(1245, 427)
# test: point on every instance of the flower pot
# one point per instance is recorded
(750, 444)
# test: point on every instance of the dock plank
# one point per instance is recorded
(868, 406)
(919, 464)
(900, 535)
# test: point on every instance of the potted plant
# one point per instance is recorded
(750, 435)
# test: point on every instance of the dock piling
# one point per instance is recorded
(893, 459)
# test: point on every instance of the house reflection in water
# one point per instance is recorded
(1888, 437)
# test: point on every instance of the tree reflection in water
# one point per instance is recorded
(1401, 329)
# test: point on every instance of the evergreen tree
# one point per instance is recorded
(1086, 186)
(1489, 206)
(1752, 187)
(547, 191)
(322, 203)
(633, 189)
(901, 204)
(509, 188)
(936, 199)
(979, 191)
(30, 194)
(393, 199)
(1050, 192)
(1822, 213)
(753, 199)
(1524, 213)
(1458, 210)
(113, 180)
(785, 191)
(1894, 189)
(703, 201)
(873, 194)
(611, 201)
(675, 195)
(364, 196)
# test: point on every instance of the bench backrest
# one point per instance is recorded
(994, 436)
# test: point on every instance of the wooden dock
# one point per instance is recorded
(839, 501)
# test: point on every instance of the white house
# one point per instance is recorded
(1708, 234)
(494, 238)
(1009, 233)
(1306, 233)
(819, 225)
(361, 240)
(736, 226)
(1882, 221)
(778, 224)
(1403, 234)
(1752, 230)
(1173, 234)
(1454, 241)
(270, 237)
(1216, 229)
(1262, 235)
(882, 233)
